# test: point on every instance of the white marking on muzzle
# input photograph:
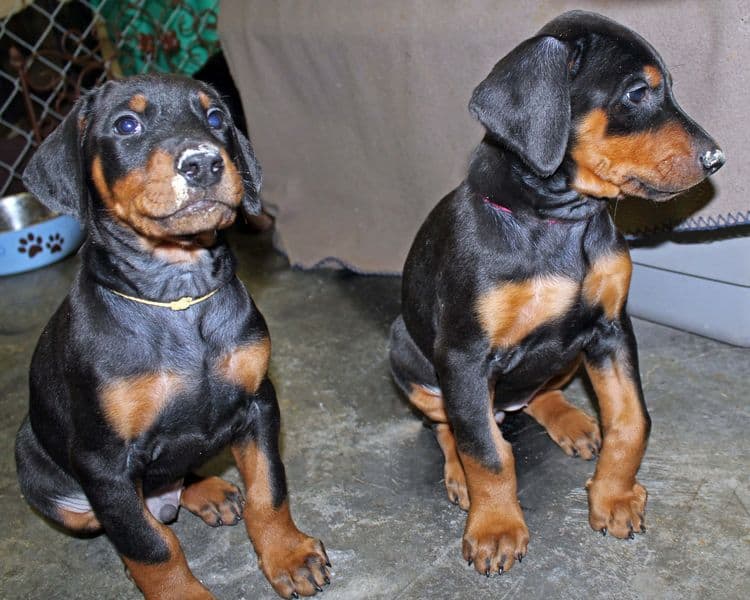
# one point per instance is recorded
(200, 149)
(180, 189)
(179, 184)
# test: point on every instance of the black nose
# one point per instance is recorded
(200, 167)
(713, 160)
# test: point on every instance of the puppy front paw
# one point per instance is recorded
(616, 509)
(296, 567)
(494, 541)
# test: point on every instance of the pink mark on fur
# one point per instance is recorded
(497, 206)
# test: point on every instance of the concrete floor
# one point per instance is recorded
(366, 476)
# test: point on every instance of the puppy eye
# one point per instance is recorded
(215, 118)
(638, 94)
(127, 125)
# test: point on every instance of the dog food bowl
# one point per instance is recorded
(32, 236)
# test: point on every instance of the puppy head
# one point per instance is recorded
(159, 155)
(590, 90)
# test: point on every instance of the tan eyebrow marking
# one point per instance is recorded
(138, 103)
(653, 75)
(204, 100)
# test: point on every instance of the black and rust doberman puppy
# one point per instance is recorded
(157, 359)
(519, 274)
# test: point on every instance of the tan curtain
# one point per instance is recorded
(357, 109)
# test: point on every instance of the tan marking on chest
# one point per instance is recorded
(511, 311)
(131, 404)
(607, 283)
(246, 365)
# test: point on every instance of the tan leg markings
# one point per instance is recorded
(455, 479)
(293, 562)
(428, 402)
(496, 534)
(572, 429)
(214, 500)
(170, 580)
(616, 500)
(83, 522)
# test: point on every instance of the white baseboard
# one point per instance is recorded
(711, 308)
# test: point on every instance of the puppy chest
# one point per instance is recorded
(511, 311)
(185, 393)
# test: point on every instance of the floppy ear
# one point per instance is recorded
(525, 102)
(56, 173)
(252, 175)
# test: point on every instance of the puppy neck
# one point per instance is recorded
(160, 270)
(499, 174)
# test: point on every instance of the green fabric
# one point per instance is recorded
(189, 26)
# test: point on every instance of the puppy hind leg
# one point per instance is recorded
(416, 377)
(414, 374)
(455, 477)
(569, 427)
(214, 500)
(49, 489)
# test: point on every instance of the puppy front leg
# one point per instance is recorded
(616, 500)
(294, 563)
(495, 535)
(149, 549)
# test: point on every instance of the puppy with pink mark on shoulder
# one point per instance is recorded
(519, 275)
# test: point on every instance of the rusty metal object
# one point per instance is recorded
(58, 87)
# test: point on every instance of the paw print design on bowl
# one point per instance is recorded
(31, 245)
(31, 236)
(55, 243)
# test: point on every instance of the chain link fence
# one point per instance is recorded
(51, 52)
